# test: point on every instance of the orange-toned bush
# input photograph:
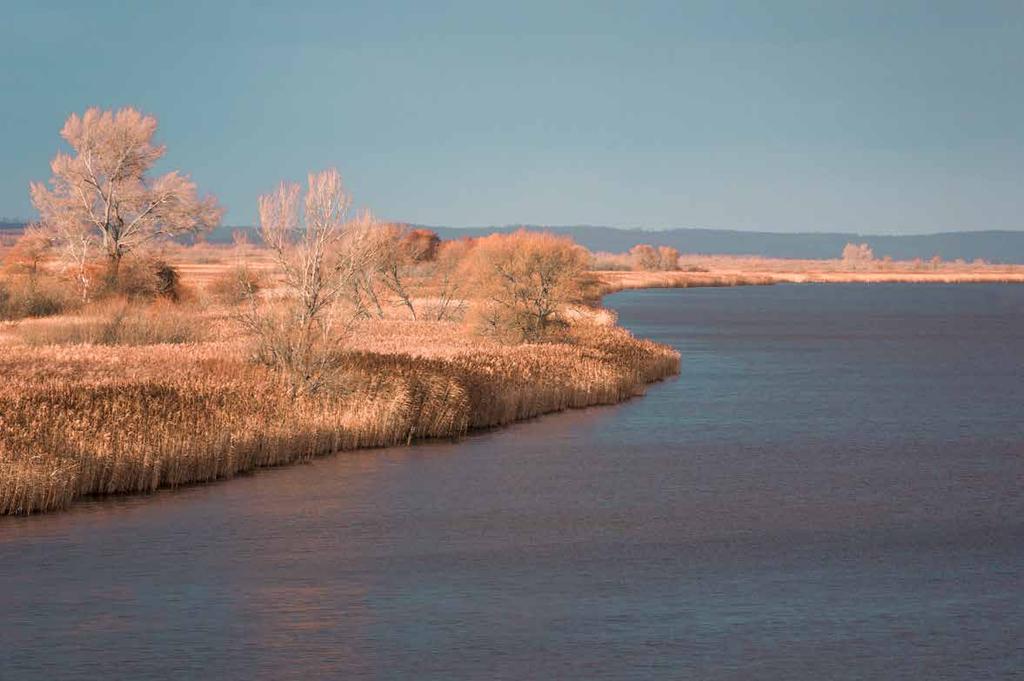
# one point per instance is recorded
(34, 296)
(522, 282)
(236, 285)
(146, 278)
(668, 258)
(29, 252)
(421, 245)
(645, 257)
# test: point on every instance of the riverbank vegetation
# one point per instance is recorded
(132, 392)
(133, 363)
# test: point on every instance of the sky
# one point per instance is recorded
(872, 117)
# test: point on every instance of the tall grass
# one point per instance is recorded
(612, 281)
(119, 322)
(75, 422)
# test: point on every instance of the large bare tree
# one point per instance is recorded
(104, 186)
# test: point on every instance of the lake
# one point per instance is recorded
(832, 489)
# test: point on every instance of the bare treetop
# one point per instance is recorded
(104, 185)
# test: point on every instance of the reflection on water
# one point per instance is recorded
(831, 490)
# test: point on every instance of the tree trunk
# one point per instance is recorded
(113, 268)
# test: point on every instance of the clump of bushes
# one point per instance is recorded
(236, 285)
(147, 279)
(650, 259)
(39, 296)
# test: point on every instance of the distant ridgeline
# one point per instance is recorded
(994, 246)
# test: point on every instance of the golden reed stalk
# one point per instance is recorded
(79, 420)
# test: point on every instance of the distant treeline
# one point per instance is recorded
(993, 246)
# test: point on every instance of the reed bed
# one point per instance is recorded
(90, 419)
(612, 281)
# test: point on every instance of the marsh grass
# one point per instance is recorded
(80, 420)
(120, 322)
(612, 281)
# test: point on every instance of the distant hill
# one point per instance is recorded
(994, 246)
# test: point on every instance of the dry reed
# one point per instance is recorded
(87, 419)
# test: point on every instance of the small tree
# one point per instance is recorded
(77, 245)
(105, 185)
(421, 244)
(857, 253)
(668, 258)
(526, 279)
(317, 254)
(397, 255)
(446, 279)
(645, 257)
(29, 252)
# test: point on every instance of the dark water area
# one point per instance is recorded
(831, 490)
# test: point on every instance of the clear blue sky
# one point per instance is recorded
(879, 117)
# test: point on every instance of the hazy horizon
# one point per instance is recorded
(867, 119)
(634, 228)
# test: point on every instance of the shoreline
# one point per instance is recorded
(614, 281)
(98, 436)
(435, 392)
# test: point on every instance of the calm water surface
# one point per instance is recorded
(832, 490)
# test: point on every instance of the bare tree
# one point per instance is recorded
(77, 245)
(105, 184)
(645, 257)
(389, 260)
(363, 244)
(668, 258)
(397, 258)
(317, 253)
(857, 253)
(447, 281)
(31, 249)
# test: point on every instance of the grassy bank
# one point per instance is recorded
(82, 420)
(611, 282)
(119, 397)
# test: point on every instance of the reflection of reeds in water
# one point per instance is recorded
(92, 419)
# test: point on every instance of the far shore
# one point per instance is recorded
(611, 281)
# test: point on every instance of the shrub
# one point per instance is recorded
(609, 262)
(35, 296)
(421, 245)
(645, 257)
(523, 282)
(147, 278)
(857, 253)
(668, 258)
(234, 286)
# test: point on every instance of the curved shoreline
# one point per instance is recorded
(401, 398)
(216, 417)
